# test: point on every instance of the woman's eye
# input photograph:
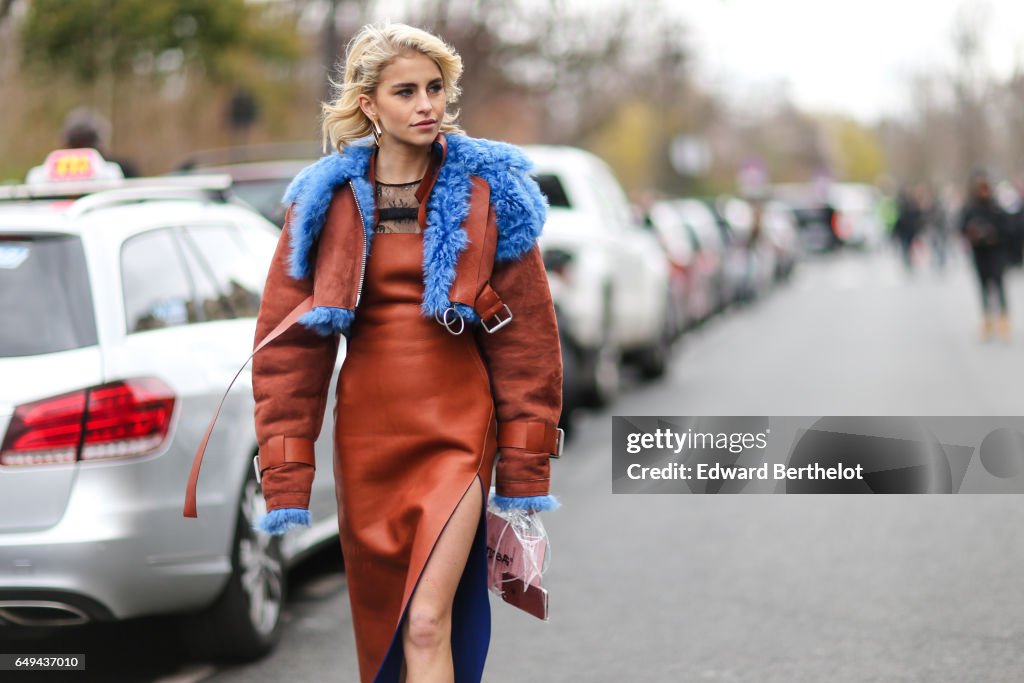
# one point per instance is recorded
(405, 92)
(436, 87)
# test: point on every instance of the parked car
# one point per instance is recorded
(691, 279)
(754, 257)
(712, 250)
(857, 220)
(128, 305)
(832, 215)
(616, 294)
(735, 263)
(782, 233)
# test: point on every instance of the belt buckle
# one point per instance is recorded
(448, 325)
(501, 323)
(256, 467)
(559, 445)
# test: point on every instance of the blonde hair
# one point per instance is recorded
(372, 49)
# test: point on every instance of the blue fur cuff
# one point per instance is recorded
(326, 320)
(527, 502)
(277, 522)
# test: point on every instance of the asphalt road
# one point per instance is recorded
(758, 588)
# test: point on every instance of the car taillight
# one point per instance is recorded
(841, 226)
(120, 419)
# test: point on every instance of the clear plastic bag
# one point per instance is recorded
(518, 554)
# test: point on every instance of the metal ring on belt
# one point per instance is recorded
(447, 324)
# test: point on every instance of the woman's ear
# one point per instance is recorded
(367, 106)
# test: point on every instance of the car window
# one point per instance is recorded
(693, 235)
(225, 262)
(671, 230)
(610, 198)
(213, 303)
(699, 221)
(45, 298)
(552, 188)
(157, 291)
(708, 232)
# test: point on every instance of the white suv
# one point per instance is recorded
(128, 305)
(614, 292)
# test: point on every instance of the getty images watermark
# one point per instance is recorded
(671, 454)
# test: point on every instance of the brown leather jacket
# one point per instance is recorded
(481, 219)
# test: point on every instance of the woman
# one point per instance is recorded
(984, 224)
(419, 247)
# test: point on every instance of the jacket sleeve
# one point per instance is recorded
(524, 360)
(290, 381)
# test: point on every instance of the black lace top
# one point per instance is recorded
(397, 207)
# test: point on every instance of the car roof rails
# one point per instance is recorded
(215, 189)
(95, 194)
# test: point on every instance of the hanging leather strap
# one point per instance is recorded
(474, 264)
(471, 285)
(197, 461)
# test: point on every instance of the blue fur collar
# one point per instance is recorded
(519, 206)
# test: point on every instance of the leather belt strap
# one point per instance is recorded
(539, 437)
(281, 449)
(488, 303)
(197, 461)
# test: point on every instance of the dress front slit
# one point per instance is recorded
(414, 430)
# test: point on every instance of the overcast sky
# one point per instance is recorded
(839, 55)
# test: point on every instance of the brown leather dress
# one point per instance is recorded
(415, 427)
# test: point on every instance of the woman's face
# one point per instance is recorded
(409, 103)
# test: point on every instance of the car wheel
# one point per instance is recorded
(244, 623)
(653, 361)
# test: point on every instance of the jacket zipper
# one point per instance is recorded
(362, 221)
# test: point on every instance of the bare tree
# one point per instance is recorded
(970, 83)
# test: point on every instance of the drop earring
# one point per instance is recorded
(375, 129)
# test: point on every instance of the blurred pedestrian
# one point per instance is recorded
(984, 225)
(752, 247)
(935, 224)
(86, 127)
(427, 394)
(1015, 253)
(908, 226)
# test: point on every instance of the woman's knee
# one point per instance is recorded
(427, 627)
(428, 620)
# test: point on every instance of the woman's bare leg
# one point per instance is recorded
(426, 629)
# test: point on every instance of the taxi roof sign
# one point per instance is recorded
(74, 165)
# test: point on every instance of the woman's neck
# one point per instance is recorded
(397, 163)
